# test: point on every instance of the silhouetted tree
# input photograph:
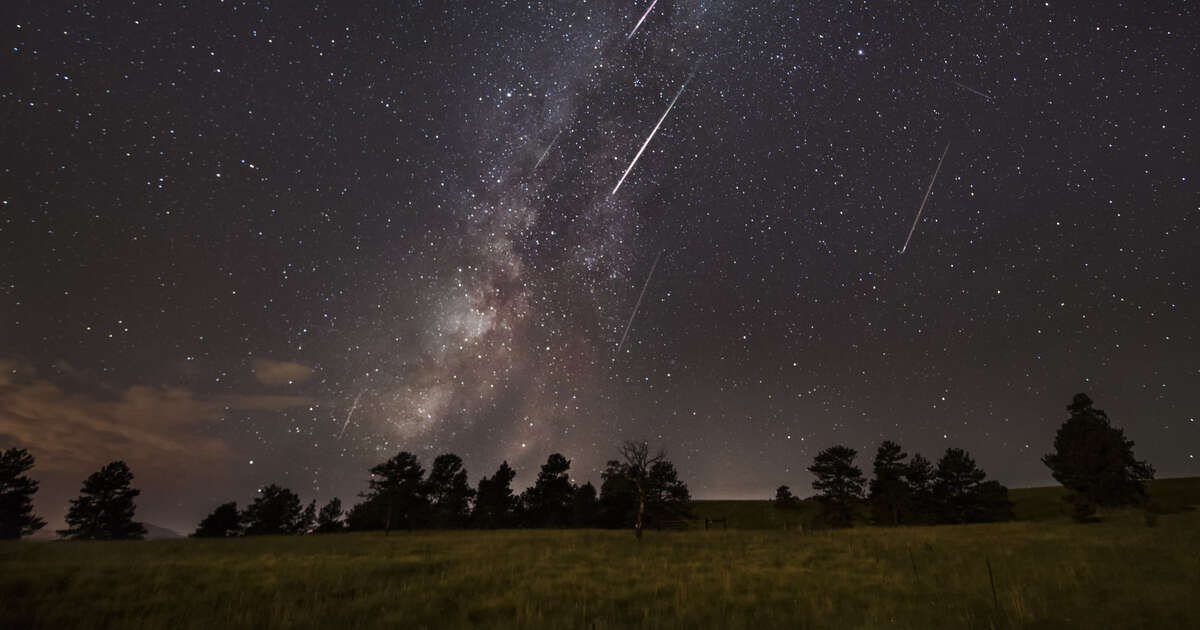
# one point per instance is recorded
(954, 485)
(104, 509)
(225, 521)
(16, 495)
(785, 499)
(918, 477)
(329, 519)
(397, 493)
(449, 492)
(618, 497)
(548, 502)
(276, 510)
(584, 506)
(308, 518)
(667, 498)
(889, 495)
(839, 484)
(637, 464)
(1095, 462)
(960, 494)
(992, 503)
(494, 502)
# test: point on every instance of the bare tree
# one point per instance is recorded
(638, 463)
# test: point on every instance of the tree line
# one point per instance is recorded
(1092, 459)
(903, 491)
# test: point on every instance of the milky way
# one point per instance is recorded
(227, 226)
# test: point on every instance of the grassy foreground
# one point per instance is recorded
(1052, 574)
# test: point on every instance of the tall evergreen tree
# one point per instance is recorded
(449, 492)
(16, 495)
(225, 521)
(584, 506)
(397, 494)
(667, 497)
(329, 519)
(955, 486)
(308, 518)
(276, 510)
(104, 509)
(889, 492)
(1095, 461)
(494, 502)
(548, 502)
(839, 484)
(918, 478)
(618, 497)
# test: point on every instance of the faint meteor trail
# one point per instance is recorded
(638, 305)
(639, 22)
(927, 191)
(649, 138)
(972, 90)
(353, 406)
(547, 151)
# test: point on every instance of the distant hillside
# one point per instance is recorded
(1029, 504)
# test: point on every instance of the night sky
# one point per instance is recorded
(250, 242)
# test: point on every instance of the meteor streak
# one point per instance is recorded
(353, 406)
(971, 89)
(639, 22)
(639, 301)
(649, 138)
(547, 151)
(927, 191)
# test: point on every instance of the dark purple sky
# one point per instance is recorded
(223, 225)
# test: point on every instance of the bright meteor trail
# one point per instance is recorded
(547, 151)
(639, 301)
(649, 138)
(353, 406)
(927, 191)
(639, 22)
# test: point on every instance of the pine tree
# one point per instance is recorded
(275, 511)
(307, 520)
(918, 481)
(224, 521)
(449, 492)
(104, 509)
(839, 484)
(1095, 462)
(329, 520)
(397, 494)
(16, 495)
(494, 502)
(584, 506)
(889, 492)
(548, 502)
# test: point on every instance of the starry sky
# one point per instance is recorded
(264, 242)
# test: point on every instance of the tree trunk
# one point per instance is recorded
(387, 524)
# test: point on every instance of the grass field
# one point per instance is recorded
(1050, 573)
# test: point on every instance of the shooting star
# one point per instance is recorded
(927, 191)
(639, 22)
(972, 90)
(639, 301)
(649, 138)
(547, 151)
(353, 406)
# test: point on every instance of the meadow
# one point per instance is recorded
(1045, 573)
